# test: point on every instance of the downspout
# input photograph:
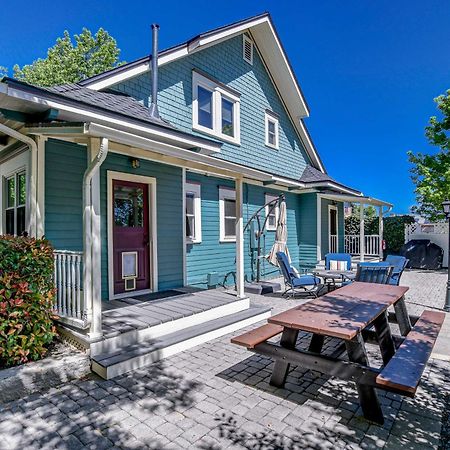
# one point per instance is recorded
(92, 316)
(31, 199)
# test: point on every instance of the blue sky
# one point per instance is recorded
(369, 70)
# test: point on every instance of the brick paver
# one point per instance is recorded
(218, 396)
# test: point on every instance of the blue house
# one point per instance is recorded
(144, 176)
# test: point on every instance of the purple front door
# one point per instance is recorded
(131, 245)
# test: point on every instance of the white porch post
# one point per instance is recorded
(97, 151)
(380, 230)
(239, 239)
(362, 245)
(96, 328)
(40, 197)
(319, 227)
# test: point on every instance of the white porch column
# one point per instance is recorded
(97, 152)
(380, 230)
(319, 227)
(96, 328)
(362, 249)
(239, 239)
(40, 197)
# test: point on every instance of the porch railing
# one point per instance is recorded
(69, 299)
(371, 244)
(333, 243)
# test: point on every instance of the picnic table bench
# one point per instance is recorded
(355, 314)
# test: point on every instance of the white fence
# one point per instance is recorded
(435, 232)
(333, 243)
(69, 301)
(371, 244)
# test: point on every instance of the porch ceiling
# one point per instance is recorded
(357, 199)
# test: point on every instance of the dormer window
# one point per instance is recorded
(272, 133)
(215, 109)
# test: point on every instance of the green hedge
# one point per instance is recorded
(26, 299)
(394, 232)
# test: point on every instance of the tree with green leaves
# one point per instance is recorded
(3, 71)
(431, 172)
(69, 62)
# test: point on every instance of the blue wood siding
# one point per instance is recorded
(211, 255)
(224, 62)
(169, 217)
(65, 164)
(307, 213)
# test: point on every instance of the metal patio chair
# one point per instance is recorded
(379, 272)
(399, 264)
(294, 283)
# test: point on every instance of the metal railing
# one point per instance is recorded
(371, 244)
(69, 299)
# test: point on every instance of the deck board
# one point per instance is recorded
(124, 317)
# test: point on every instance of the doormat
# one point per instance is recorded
(158, 295)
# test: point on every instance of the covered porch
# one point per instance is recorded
(361, 246)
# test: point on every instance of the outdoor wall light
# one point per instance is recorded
(135, 163)
(446, 208)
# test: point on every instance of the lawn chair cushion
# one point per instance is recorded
(338, 265)
(305, 280)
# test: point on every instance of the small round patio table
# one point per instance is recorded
(331, 276)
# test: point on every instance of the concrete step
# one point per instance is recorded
(130, 357)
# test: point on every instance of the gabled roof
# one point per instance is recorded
(267, 41)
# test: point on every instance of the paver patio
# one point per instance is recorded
(217, 396)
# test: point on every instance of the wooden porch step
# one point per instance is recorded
(404, 371)
(124, 359)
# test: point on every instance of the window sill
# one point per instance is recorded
(222, 137)
(273, 147)
(191, 241)
(227, 240)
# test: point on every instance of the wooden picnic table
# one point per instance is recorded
(356, 314)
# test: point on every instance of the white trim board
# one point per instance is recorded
(152, 210)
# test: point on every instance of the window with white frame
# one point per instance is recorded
(193, 213)
(227, 212)
(272, 213)
(272, 134)
(15, 195)
(215, 109)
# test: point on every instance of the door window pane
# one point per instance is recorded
(204, 98)
(128, 206)
(11, 192)
(227, 117)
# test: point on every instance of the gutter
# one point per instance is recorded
(32, 198)
(89, 236)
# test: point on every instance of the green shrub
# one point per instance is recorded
(26, 299)
(394, 232)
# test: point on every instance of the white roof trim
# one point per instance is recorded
(356, 199)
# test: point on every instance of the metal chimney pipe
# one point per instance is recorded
(154, 104)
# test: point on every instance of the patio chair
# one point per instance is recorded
(336, 261)
(294, 283)
(399, 264)
(379, 272)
